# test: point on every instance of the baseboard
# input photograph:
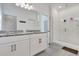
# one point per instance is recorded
(76, 47)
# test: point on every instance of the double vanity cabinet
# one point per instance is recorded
(23, 45)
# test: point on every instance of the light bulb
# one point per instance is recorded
(17, 4)
(26, 6)
(30, 7)
(23, 5)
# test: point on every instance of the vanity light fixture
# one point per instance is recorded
(25, 6)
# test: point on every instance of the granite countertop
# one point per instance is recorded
(7, 35)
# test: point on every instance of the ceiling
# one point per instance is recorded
(61, 6)
(58, 6)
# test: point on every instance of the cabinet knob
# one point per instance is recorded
(11, 48)
(14, 47)
(40, 40)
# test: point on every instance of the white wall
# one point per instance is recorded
(54, 22)
(42, 8)
(55, 25)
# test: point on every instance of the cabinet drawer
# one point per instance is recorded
(13, 39)
(4, 40)
(23, 37)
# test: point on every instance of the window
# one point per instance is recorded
(44, 23)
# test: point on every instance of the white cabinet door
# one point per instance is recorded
(21, 48)
(38, 43)
(44, 41)
(34, 45)
(6, 50)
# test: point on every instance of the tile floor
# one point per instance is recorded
(55, 50)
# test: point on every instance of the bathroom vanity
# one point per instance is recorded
(27, 44)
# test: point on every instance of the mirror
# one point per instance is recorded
(43, 19)
(9, 23)
(14, 18)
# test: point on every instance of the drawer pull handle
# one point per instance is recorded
(14, 47)
(11, 48)
(40, 41)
